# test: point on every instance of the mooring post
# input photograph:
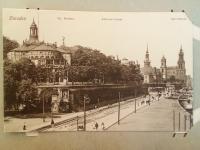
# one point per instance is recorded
(174, 126)
(179, 121)
(185, 122)
(190, 121)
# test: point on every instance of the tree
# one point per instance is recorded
(26, 69)
(8, 45)
(10, 84)
(19, 82)
(89, 64)
(26, 91)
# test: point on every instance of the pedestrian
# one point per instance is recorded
(24, 126)
(102, 126)
(96, 125)
(52, 123)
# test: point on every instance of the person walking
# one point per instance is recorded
(102, 126)
(96, 125)
(24, 126)
(52, 123)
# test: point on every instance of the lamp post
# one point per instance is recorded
(77, 122)
(84, 113)
(85, 100)
(98, 103)
(135, 100)
(119, 108)
(43, 108)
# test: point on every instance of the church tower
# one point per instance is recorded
(147, 61)
(181, 61)
(33, 38)
(181, 71)
(163, 67)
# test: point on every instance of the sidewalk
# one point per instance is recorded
(157, 117)
(108, 116)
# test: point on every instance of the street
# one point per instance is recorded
(156, 116)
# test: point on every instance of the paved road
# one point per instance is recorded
(107, 115)
(157, 117)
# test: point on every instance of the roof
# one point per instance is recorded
(44, 47)
(24, 48)
(41, 47)
(171, 67)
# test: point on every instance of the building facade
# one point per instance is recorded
(49, 56)
(151, 74)
(164, 73)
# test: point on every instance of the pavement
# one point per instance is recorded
(108, 116)
(16, 124)
(13, 124)
(157, 117)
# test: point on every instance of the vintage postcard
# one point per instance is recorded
(97, 71)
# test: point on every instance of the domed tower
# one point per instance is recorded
(163, 67)
(147, 61)
(33, 37)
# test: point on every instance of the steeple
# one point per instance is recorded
(163, 68)
(63, 41)
(33, 37)
(147, 61)
(181, 61)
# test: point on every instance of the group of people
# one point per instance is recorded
(96, 126)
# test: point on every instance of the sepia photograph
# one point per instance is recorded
(97, 71)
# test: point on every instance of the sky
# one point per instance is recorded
(125, 35)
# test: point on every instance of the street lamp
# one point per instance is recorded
(43, 108)
(85, 100)
(119, 107)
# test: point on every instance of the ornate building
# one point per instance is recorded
(151, 74)
(165, 72)
(54, 59)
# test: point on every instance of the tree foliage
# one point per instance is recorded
(8, 45)
(19, 82)
(89, 64)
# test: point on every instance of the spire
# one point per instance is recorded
(147, 49)
(147, 61)
(63, 40)
(163, 58)
(181, 61)
(33, 25)
(181, 50)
